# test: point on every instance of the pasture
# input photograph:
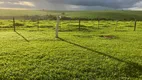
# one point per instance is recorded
(106, 52)
(107, 14)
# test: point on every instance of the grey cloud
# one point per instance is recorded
(104, 3)
(39, 4)
(80, 4)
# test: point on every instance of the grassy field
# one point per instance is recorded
(21, 12)
(89, 54)
(112, 14)
(118, 14)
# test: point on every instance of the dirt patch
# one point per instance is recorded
(109, 36)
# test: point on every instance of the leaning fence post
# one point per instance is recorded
(14, 24)
(57, 26)
(135, 25)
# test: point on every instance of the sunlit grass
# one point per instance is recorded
(91, 53)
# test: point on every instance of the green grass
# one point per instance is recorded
(106, 14)
(110, 14)
(88, 54)
(21, 12)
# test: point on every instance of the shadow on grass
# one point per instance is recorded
(121, 30)
(84, 36)
(83, 29)
(22, 36)
(35, 30)
(131, 69)
(46, 26)
(75, 29)
(84, 26)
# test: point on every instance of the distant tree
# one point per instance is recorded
(63, 13)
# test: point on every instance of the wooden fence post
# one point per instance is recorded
(79, 24)
(57, 26)
(38, 24)
(61, 24)
(98, 23)
(135, 25)
(14, 24)
(116, 25)
(93, 22)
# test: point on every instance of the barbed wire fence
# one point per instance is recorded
(24, 22)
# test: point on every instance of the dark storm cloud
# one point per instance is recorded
(103, 3)
(72, 4)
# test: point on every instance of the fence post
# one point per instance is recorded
(116, 24)
(14, 24)
(57, 26)
(38, 24)
(135, 25)
(98, 23)
(79, 24)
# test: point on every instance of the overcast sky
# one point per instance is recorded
(71, 4)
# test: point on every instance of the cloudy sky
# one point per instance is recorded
(71, 4)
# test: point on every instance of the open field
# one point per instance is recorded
(91, 53)
(116, 15)
(21, 12)
(112, 14)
